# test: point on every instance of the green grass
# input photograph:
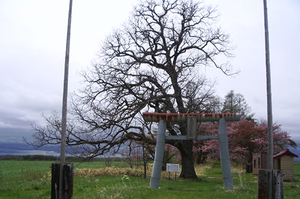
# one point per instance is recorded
(30, 179)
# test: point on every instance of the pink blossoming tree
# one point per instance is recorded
(244, 138)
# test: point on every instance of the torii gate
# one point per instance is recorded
(191, 119)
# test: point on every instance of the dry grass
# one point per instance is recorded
(108, 171)
(137, 171)
(201, 169)
(112, 171)
(237, 169)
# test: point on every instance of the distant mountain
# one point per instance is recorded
(296, 150)
(17, 148)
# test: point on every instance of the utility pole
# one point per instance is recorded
(269, 99)
(64, 106)
(269, 94)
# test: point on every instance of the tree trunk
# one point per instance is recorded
(187, 161)
(248, 165)
(200, 157)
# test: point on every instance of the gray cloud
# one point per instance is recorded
(32, 47)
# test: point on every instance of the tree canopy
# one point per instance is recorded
(150, 64)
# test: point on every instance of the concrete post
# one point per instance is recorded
(159, 155)
(224, 155)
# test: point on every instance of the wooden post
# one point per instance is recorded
(67, 186)
(264, 177)
(263, 180)
(277, 187)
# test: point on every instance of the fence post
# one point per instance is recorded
(68, 173)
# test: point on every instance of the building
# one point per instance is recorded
(283, 160)
(259, 161)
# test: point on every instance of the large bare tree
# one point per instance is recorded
(150, 64)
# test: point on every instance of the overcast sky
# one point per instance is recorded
(32, 52)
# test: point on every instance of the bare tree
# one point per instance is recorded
(151, 64)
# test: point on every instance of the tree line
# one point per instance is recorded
(105, 159)
(29, 157)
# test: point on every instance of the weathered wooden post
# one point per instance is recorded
(67, 181)
(264, 177)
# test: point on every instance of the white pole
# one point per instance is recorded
(269, 94)
(269, 100)
(64, 106)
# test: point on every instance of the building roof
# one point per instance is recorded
(284, 152)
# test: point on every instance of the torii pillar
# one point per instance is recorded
(162, 118)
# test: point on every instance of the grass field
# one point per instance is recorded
(31, 179)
